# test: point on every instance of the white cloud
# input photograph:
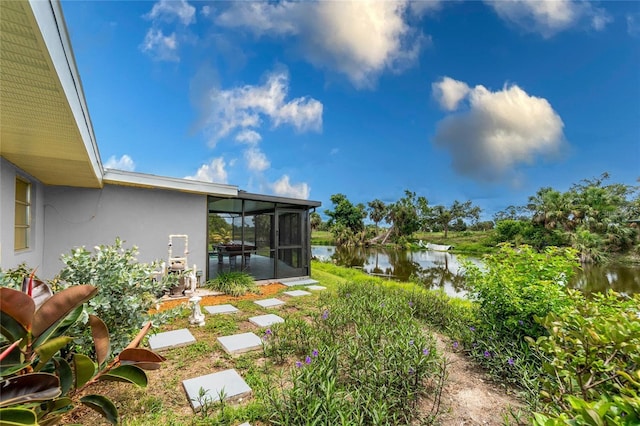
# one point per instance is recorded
(169, 10)
(250, 137)
(499, 131)
(360, 39)
(256, 160)
(633, 24)
(206, 10)
(163, 47)
(215, 171)
(449, 92)
(284, 188)
(159, 46)
(245, 107)
(549, 17)
(123, 163)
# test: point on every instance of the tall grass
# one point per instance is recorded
(365, 359)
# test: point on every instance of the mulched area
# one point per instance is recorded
(267, 290)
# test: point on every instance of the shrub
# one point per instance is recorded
(591, 370)
(12, 278)
(233, 283)
(126, 290)
(511, 290)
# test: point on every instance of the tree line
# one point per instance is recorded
(593, 216)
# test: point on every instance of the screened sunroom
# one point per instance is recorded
(265, 236)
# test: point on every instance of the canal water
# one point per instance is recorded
(442, 270)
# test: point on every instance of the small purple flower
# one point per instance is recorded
(382, 305)
(325, 314)
(411, 342)
(487, 354)
(267, 332)
(520, 322)
(314, 353)
(298, 364)
(425, 351)
(307, 360)
(472, 328)
(455, 345)
(511, 361)
(410, 304)
(411, 370)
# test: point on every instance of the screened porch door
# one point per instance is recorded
(290, 239)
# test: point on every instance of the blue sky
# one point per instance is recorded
(454, 100)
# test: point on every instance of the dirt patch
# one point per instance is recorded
(469, 397)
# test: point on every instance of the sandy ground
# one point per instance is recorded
(469, 397)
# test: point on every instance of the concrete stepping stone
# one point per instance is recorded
(171, 339)
(269, 303)
(265, 320)
(293, 283)
(240, 343)
(297, 293)
(229, 381)
(221, 309)
(316, 287)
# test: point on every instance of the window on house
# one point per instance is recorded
(23, 214)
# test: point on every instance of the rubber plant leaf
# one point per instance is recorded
(55, 310)
(17, 416)
(83, 369)
(59, 406)
(48, 349)
(142, 358)
(102, 405)
(127, 373)
(100, 335)
(64, 373)
(17, 313)
(32, 387)
(11, 360)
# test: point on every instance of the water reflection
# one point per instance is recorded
(441, 269)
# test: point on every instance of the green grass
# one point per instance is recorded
(321, 238)
(233, 283)
(476, 242)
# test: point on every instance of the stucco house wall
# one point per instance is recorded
(142, 217)
(33, 256)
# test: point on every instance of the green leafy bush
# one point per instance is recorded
(126, 290)
(40, 385)
(591, 370)
(12, 278)
(512, 289)
(233, 283)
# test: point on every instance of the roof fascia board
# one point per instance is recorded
(50, 20)
(278, 199)
(123, 178)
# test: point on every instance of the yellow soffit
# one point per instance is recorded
(44, 130)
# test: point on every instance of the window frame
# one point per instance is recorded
(26, 205)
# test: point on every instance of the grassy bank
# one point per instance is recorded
(470, 242)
